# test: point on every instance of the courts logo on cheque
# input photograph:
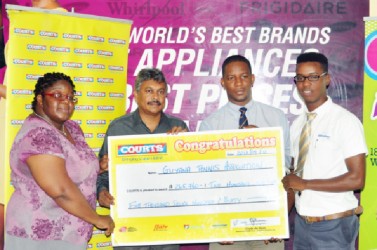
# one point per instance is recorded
(158, 148)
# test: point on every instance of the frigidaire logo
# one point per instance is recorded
(95, 66)
(105, 108)
(104, 53)
(100, 135)
(96, 39)
(60, 49)
(36, 47)
(17, 122)
(117, 41)
(47, 63)
(116, 68)
(72, 36)
(84, 51)
(116, 95)
(23, 61)
(22, 92)
(290, 7)
(74, 65)
(95, 94)
(24, 31)
(48, 34)
(105, 80)
(96, 122)
(84, 107)
(83, 79)
(32, 77)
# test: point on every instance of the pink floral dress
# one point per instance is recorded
(31, 213)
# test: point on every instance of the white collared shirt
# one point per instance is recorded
(336, 134)
(258, 114)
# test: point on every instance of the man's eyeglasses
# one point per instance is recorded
(311, 78)
(60, 97)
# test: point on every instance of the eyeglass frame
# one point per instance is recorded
(307, 77)
(61, 97)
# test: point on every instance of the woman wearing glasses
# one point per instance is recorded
(54, 175)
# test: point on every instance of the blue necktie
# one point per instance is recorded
(243, 119)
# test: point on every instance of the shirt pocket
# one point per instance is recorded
(322, 144)
(324, 149)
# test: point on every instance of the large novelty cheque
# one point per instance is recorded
(198, 187)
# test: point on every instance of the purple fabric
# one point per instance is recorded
(40, 217)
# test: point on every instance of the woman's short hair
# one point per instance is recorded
(46, 81)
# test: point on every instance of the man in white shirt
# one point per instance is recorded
(333, 166)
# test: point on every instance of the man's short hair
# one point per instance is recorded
(314, 57)
(149, 74)
(236, 58)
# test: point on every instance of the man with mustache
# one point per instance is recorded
(150, 93)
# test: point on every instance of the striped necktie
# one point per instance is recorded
(304, 144)
(243, 119)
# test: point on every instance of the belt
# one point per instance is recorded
(311, 219)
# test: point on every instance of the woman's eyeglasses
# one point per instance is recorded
(60, 97)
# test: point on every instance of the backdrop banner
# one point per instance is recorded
(368, 220)
(189, 40)
(76, 45)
